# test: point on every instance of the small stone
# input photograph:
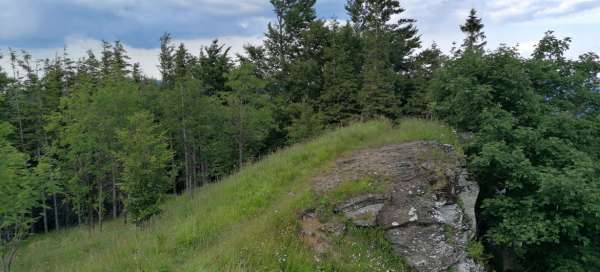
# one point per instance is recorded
(413, 214)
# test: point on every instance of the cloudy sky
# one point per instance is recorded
(44, 27)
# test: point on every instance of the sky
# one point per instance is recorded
(45, 27)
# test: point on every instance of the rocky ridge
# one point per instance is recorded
(425, 204)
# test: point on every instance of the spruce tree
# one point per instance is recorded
(387, 47)
(283, 41)
(213, 64)
(341, 76)
(166, 59)
(473, 29)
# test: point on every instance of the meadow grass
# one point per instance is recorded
(247, 222)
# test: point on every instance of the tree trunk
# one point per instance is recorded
(68, 211)
(100, 205)
(240, 154)
(194, 168)
(9, 256)
(21, 134)
(79, 215)
(241, 135)
(173, 165)
(186, 154)
(55, 204)
(44, 214)
(114, 193)
(125, 212)
(90, 218)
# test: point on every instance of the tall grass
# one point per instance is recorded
(247, 222)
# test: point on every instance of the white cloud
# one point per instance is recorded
(503, 9)
(563, 6)
(77, 47)
(139, 7)
(532, 9)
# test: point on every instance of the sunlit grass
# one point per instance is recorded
(247, 222)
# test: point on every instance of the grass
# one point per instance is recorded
(247, 222)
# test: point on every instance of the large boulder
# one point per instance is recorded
(427, 207)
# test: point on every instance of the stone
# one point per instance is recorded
(428, 206)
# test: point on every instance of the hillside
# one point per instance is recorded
(247, 222)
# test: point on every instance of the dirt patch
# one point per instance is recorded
(316, 234)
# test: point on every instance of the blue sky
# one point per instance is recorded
(45, 26)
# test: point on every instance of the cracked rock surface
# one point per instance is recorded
(426, 207)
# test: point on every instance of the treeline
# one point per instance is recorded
(92, 138)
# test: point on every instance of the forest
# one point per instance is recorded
(92, 139)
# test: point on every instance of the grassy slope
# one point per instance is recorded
(248, 222)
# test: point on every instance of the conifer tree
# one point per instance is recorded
(386, 48)
(213, 64)
(372, 15)
(341, 76)
(106, 62)
(473, 29)
(166, 59)
(284, 38)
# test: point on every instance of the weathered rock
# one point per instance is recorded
(428, 209)
(362, 210)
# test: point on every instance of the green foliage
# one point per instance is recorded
(476, 251)
(247, 222)
(534, 149)
(249, 113)
(18, 196)
(535, 122)
(339, 98)
(145, 157)
(473, 29)
(306, 123)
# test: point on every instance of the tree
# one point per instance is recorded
(213, 64)
(533, 151)
(473, 28)
(306, 123)
(376, 96)
(284, 42)
(249, 113)
(551, 48)
(426, 64)
(372, 15)
(145, 157)
(19, 194)
(341, 76)
(166, 59)
(387, 47)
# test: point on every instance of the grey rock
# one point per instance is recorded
(428, 210)
(365, 216)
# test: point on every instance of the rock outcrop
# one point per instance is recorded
(426, 206)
